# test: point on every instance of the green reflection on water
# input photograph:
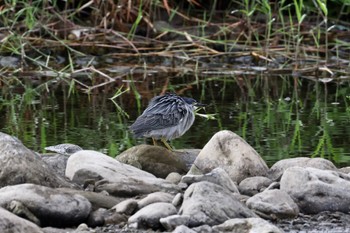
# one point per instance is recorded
(281, 117)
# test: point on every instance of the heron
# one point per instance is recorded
(166, 117)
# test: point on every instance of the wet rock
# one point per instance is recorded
(183, 229)
(20, 165)
(50, 206)
(208, 203)
(171, 222)
(174, 177)
(155, 197)
(217, 176)
(149, 216)
(253, 185)
(247, 225)
(230, 152)
(127, 207)
(278, 168)
(275, 203)
(316, 190)
(154, 159)
(10, 223)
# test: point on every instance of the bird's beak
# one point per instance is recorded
(200, 105)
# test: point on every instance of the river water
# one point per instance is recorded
(280, 116)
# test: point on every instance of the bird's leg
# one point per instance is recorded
(166, 144)
(154, 142)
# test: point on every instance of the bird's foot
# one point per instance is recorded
(166, 144)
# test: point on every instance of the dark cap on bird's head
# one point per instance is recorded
(193, 102)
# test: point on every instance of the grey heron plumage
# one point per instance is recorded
(167, 117)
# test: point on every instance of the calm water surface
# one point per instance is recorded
(279, 116)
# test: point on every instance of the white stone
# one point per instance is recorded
(229, 151)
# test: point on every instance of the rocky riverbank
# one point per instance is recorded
(225, 187)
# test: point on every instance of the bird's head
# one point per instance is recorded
(193, 102)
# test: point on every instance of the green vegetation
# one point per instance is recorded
(302, 36)
(280, 118)
(105, 54)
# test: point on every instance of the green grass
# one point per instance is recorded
(237, 40)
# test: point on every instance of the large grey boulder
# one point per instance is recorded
(274, 203)
(316, 190)
(88, 164)
(116, 178)
(20, 165)
(10, 223)
(279, 167)
(247, 225)
(50, 207)
(149, 216)
(212, 204)
(230, 152)
(154, 159)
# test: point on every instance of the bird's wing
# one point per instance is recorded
(159, 115)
